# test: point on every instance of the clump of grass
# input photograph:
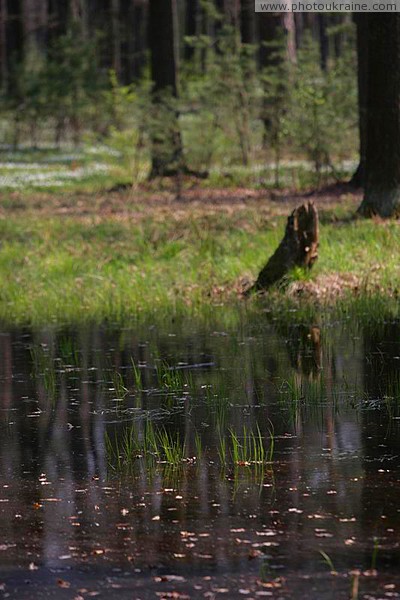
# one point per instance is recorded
(171, 447)
(222, 450)
(118, 384)
(198, 445)
(155, 445)
(172, 379)
(137, 376)
(374, 555)
(248, 448)
(328, 561)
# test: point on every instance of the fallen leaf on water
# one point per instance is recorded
(63, 584)
(276, 583)
(161, 578)
(33, 567)
(254, 554)
(174, 595)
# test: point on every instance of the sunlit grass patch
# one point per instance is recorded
(96, 267)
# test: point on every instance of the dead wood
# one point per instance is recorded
(298, 248)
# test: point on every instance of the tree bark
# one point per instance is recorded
(13, 39)
(3, 46)
(192, 26)
(166, 143)
(323, 41)
(116, 37)
(361, 21)
(298, 248)
(247, 22)
(382, 189)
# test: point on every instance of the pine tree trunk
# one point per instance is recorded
(3, 47)
(323, 42)
(166, 143)
(14, 37)
(192, 26)
(247, 22)
(382, 188)
(362, 62)
(140, 26)
(116, 37)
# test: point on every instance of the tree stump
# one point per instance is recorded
(298, 248)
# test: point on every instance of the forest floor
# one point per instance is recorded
(70, 256)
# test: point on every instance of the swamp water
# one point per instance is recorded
(178, 461)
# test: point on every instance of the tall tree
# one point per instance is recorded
(192, 26)
(3, 46)
(362, 61)
(382, 187)
(35, 24)
(166, 139)
(140, 23)
(247, 22)
(323, 41)
(116, 37)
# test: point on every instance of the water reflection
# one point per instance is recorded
(112, 468)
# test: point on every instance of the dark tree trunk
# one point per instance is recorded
(116, 37)
(58, 17)
(192, 26)
(162, 45)
(270, 28)
(140, 26)
(362, 62)
(3, 46)
(35, 22)
(220, 20)
(323, 41)
(166, 143)
(298, 248)
(299, 28)
(247, 22)
(382, 186)
(13, 38)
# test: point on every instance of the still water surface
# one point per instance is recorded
(175, 460)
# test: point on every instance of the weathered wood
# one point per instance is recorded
(298, 248)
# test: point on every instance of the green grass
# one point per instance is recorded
(94, 267)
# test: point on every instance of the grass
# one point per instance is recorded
(155, 445)
(71, 256)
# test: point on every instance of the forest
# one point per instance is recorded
(199, 301)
